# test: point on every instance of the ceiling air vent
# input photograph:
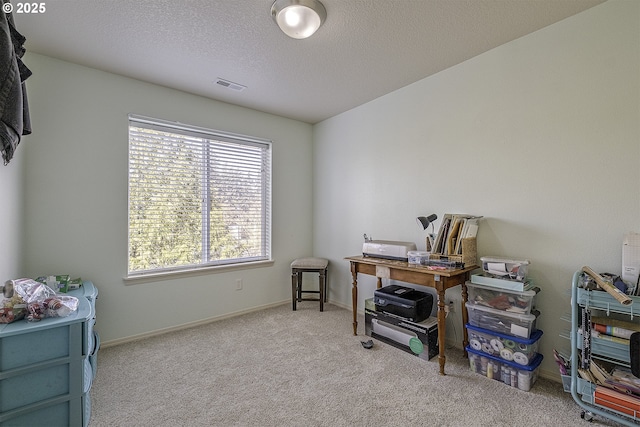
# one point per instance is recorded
(230, 85)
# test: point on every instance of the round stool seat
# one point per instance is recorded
(310, 262)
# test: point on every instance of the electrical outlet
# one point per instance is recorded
(451, 306)
(238, 284)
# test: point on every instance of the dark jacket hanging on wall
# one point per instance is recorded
(14, 109)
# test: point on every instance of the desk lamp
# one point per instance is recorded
(425, 221)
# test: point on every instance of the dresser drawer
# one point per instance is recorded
(33, 345)
(71, 412)
(38, 385)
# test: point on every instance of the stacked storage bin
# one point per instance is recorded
(503, 338)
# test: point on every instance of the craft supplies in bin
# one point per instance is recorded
(508, 268)
(418, 257)
(504, 322)
(510, 373)
(502, 299)
(521, 351)
(487, 279)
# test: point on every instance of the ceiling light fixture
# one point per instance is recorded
(298, 19)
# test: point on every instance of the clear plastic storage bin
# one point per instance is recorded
(512, 374)
(502, 299)
(417, 257)
(503, 322)
(507, 347)
(507, 268)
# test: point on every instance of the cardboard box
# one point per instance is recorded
(59, 283)
(420, 339)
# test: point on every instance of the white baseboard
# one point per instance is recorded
(119, 341)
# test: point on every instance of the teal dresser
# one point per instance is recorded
(47, 367)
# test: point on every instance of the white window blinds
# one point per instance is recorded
(197, 197)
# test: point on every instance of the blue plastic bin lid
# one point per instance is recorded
(535, 336)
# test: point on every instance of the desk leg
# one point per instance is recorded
(465, 319)
(441, 325)
(354, 297)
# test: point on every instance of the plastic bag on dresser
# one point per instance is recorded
(42, 301)
(12, 306)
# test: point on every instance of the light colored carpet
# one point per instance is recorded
(277, 367)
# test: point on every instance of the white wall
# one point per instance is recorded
(541, 136)
(11, 221)
(76, 196)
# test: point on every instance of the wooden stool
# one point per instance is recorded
(309, 265)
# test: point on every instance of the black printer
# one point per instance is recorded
(409, 303)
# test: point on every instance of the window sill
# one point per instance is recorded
(199, 271)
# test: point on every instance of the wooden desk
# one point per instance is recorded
(440, 280)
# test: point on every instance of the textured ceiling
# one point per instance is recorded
(365, 49)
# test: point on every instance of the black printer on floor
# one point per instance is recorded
(409, 303)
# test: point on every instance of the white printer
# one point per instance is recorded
(387, 249)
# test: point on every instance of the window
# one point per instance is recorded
(197, 197)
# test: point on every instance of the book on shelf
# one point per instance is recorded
(621, 402)
(611, 338)
(443, 232)
(453, 239)
(586, 375)
(623, 381)
(610, 321)
(614, 331)
(600, 374)
(502, 283)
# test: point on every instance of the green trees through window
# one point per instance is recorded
(196, 197)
